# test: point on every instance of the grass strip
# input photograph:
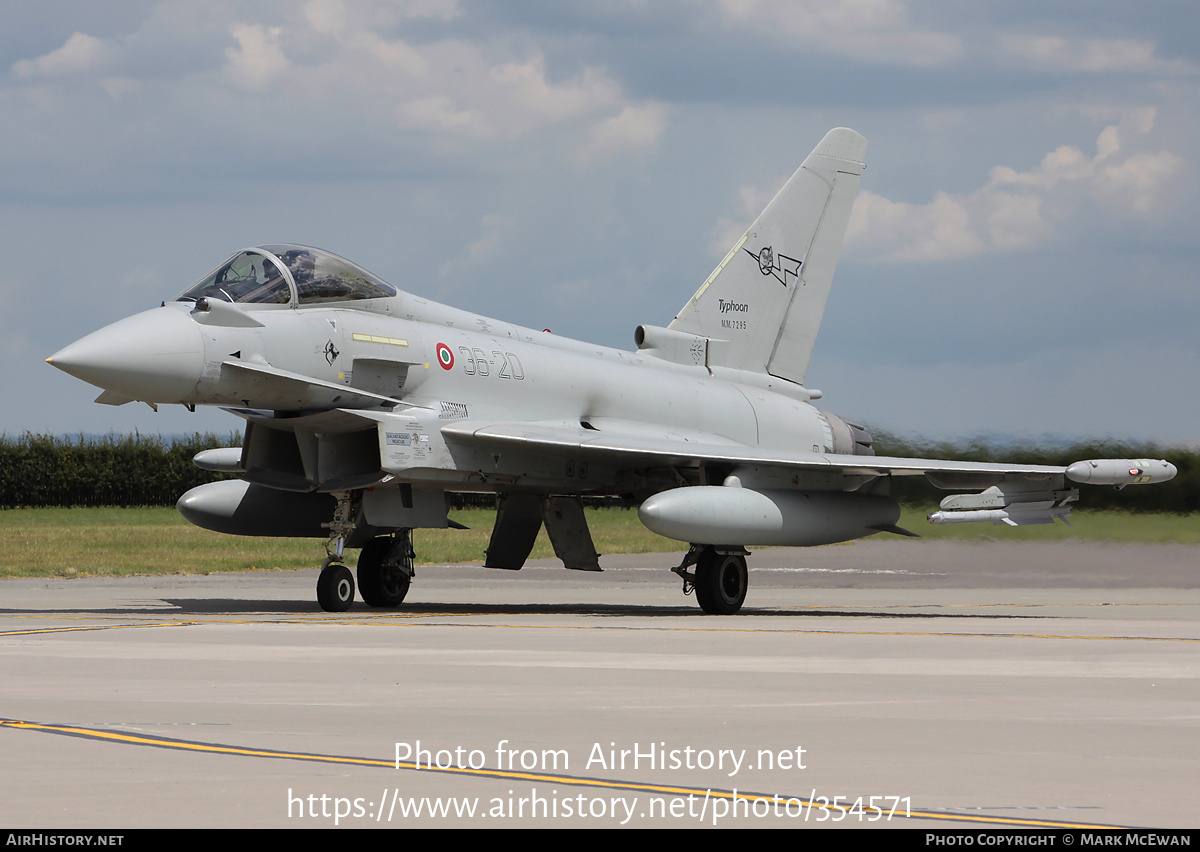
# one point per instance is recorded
(113, 542)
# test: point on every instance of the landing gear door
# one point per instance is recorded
(413, 439)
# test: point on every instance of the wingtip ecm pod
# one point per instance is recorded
(1121, 472)
(1017, 501)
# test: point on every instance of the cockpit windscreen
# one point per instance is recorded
(288, 275)
(247, 277)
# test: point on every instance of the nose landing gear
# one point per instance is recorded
(385, 565)
(335, 584)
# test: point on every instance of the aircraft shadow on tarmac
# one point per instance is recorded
(230, 606)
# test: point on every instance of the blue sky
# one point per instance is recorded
(1022, 257)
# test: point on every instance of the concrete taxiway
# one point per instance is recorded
(973, 685)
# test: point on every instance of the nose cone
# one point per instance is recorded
(155, 356)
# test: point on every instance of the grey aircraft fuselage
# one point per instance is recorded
(495, 371)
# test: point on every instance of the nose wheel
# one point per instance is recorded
(335, 587)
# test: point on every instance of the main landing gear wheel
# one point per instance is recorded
(335, 588)
(383, 576)
(721, 581)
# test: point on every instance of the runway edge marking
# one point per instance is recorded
(566, 780)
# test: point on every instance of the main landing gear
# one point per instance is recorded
(385, 569)
(720, 579)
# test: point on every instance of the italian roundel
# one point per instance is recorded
(445, 356)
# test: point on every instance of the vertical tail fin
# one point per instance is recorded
(766, 298)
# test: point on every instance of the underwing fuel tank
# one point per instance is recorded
(720, 514)
(235, 507)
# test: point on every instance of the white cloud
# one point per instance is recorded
(451, 88)
(334, 54)
(440, 113)
(1012, 211)
(258, 60)
(939, 230)
(1015, 221)
(81, 52)
(875, 31)
(635, 128)
(1134, 183)
(395, 57)
(1138, 182)
(1095, 55)
(325, 16)
(528, 92)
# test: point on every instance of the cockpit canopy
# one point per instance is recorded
(288, 275)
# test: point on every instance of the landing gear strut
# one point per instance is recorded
(385, 569)
(720, 580)
(335, 585)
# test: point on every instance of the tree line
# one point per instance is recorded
(107, 470)
(152, 470)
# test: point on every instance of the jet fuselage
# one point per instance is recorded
(438, 365)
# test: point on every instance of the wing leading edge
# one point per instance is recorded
(674, 448)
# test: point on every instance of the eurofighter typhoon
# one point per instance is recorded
(365, 407)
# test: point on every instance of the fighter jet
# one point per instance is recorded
(366, 406)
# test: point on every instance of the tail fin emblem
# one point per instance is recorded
(779, 266)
